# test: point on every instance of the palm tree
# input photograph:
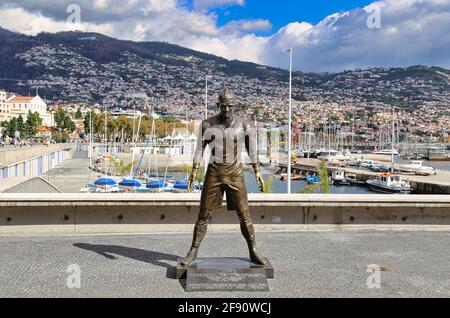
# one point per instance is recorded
(268, 186)
(323, 186)
(121, 168)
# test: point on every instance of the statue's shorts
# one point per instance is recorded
(220, 179)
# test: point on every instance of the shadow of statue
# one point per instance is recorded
(154, 258)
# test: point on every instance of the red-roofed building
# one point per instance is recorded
(20, 99)
(14, 106)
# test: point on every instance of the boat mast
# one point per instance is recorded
(393, 137)
(353, 131)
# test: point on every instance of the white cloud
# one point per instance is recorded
(17, 19)
(246, 48)
(94, 11)
(412, 31)
(250, 25)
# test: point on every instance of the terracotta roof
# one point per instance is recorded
(21, 99)
(43, 129)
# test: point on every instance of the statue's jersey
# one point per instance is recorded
(226, 141)
(225, 170)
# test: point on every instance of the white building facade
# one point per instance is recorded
(3, 107)
(14, 106)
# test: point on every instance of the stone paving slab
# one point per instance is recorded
(308, 264)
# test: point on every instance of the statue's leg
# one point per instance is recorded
(199, 233)
(248, 231)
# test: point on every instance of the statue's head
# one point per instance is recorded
(227, 101)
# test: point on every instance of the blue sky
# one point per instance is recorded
(326, 35)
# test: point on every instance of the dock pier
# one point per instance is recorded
(434, 184)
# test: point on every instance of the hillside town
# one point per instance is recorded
(179, 91)
(359, 103)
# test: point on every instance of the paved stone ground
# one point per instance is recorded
(307, 264)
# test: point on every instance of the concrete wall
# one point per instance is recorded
(141, 213)
(34, 166)
(14, 155)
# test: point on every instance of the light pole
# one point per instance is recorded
(289, 190)
(106, 138)
(206, 96)
(91, 136)
(206, 156)
(393, 137)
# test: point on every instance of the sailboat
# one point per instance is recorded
(390, 182)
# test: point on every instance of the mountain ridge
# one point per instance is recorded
(91, 64)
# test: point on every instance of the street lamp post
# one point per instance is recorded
(206, 96)
(393, 139)
(206, 117)
(290, 123)
(106, 139)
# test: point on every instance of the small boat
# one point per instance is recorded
(417, 168)
(387, 152)
(354, 180)
(369, 164)
(389, 183)
(159, 186)
(105, 182)
(324, 153)
(312, 179)
(182, 186)
(102, 185)
(294, 177)
(155, 177)
(353, 163)
(130, 185)
(93, 188)
(338, 178)
(381, 168)
(333, 162)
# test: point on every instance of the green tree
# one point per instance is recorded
(11, 127)
(324, 185)
(69, 124)
(268, 185)
(200, 173)
(78, 114)
(63, 121)
(310, 188)
(60, 115)
(323, 174)
(33, 121)
(123, 168)
(21, 126)
(61, 137)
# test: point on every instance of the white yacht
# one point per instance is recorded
(417, 167)
(389, 183)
